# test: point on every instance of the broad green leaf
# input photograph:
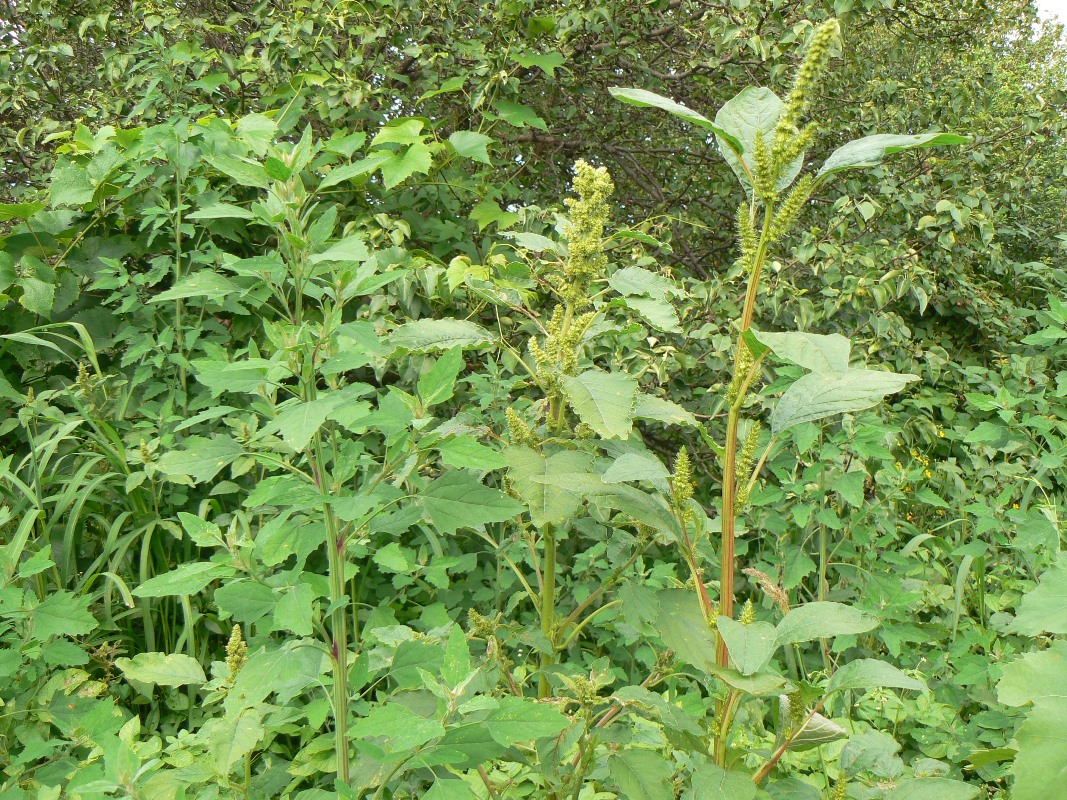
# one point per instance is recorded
(682, 628)
(547, 62)
(201, 459)
(659, 409)
(245, 375)
(714, 783)
(870, 673)
(826, 354)
(1035, 676)
(70, 185)
(816, 396)
(603, 400)
(347, 172)
(638, 281)
(645, 99)
(37, 296)
(221, 211)
(206, 284)
(467, 453)
(822, 620)
(1044, 609)
(400, 728)
(10, 211)
(472, 145)
(415, 158)
(548, 505)
(285, 671)
(424, 335)
(458, 500)
(257, 131)
(245, 600)
(231, 739)
(295, 610)
(519, 116)
(817, 731)
(201, 532)
(636, 467)
(62, 614)
(658, 313)
(871, 150)
(438, 383)
(243, 172)
(297, 422)
(352, 248)
(450, 789)
(1040, 767)
(642, 774)
(162, 669)
(185, 579)
(752, 109)
(518, 719)
(394, 559)
(750, 646)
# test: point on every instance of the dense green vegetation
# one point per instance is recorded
(571, 400)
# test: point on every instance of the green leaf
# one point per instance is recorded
(822, 620)
(246, 601)
(637, 281)
(298, 422)
(394, 559)
(603, 400)
(206, 284)
(547, 62)
(467, 453)
(870, 673)
(753, 109)
(351, 248)
(486, 212)
(347, 172)
(201, 532)
(659, 409)
(645, 99)
(37, 296)
(162, 669)
(62, 614)
(1035, 676)
(641, 774)
(826, 354)
(457, 500)
(295, 610)
(398, 726)
(186, 579)
(424, 335)
(10, 211)
(871, 150)
(242, 171)
(245, 375)
(257, 131)
(202, 459)
(221, 211)
(231, 740)
(816, 395)
(711, 782)
(1040, 767)
(682, 628)
(70, 185)
(548, 505)
(450, 789)
(851, 486)
(658, 313)
(472, 145)
(1044, 609)
(415, 158)
(751, 646)
(518, 719)
(438, 383)
(636, 467)
(519, 116)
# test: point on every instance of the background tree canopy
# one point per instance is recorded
(305, 303)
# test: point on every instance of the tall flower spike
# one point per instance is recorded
(589, 213)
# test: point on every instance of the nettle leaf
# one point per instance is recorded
(812, 351)
(819, 395)
(1040, 768)
(871, 150)
(1044, 609)
(645, 99)
(642, 774)
(752, 109)
(1035, 676)
(870, 673)
(750, 646)
(458, 500)
(186, 579)
(603, 400)
(162, 669)
(822, 620)
(518, 719)
(424, 335)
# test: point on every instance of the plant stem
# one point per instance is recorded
(548, 607)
